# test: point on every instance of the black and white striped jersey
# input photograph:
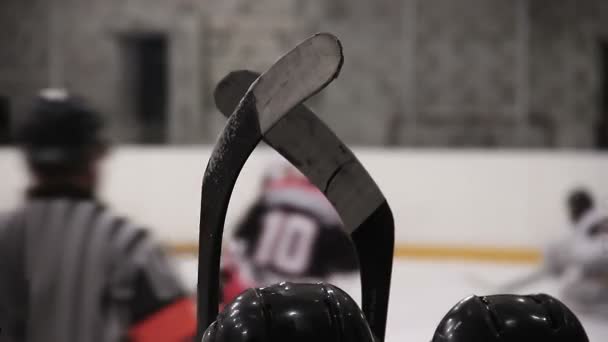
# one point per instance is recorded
(71, 270)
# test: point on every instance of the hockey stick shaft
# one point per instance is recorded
(313, 148)
(296, 76)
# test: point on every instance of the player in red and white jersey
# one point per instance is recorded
(291, 233)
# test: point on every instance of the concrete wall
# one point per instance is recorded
(565, 68)
(418, 73)
(474, 198)
(24, 53)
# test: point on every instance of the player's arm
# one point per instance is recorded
(591, 254)
(249, 226)
(557, 257)
(342, 257)
(237, 249)
(240, 246)
(160, 316)
(159, 307)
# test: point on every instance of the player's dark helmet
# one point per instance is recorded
(510, 318)
(60, 131)
(580, 202)
(291, 312)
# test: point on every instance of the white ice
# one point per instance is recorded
(423, 291)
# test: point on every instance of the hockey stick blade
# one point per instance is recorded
(303, 139)
(296, 76)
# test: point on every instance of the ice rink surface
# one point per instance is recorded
(423, 291)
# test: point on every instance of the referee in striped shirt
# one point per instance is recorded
(70, 269)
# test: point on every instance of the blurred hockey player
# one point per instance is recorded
(582, 258)
(71, 269)
(291, 233)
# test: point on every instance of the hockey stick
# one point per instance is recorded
(296, 76)
(303, 139)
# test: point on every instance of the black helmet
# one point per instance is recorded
(510, 318)
(580, 202)
(291, 312)
(60, 130)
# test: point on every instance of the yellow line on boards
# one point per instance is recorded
(183, 249)
(470, 253)
(518, 255)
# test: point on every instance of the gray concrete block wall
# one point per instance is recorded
(565, 68)
(24, 55)
(466, 71)
(361, 103)
(417, 72)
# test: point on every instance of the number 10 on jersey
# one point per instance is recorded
(287, 242)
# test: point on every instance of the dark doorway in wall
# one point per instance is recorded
(601, 125)
(5, 120)
(146, 65)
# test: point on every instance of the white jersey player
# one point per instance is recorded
(582, 258)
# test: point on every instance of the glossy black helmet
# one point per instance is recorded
(510, 318)
(291, 312)
(580, 201)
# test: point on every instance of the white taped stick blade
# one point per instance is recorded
(296, 76)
